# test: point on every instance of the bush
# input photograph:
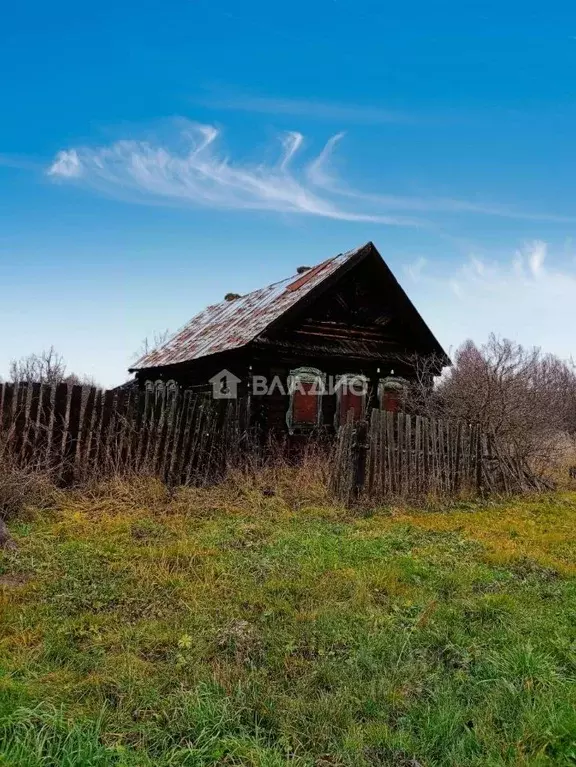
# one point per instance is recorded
(21, 489)
(524, 398)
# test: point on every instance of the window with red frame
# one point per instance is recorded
(390, 395)
(351, 396)
(306, 386)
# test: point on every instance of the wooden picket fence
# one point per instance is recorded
(79, 432)
(399, 455)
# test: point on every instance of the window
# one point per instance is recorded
(161, 389)
(305, 386)
(351, 393)
(390, 392)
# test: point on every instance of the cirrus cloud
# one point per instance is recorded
(199, 175)
(189, 169)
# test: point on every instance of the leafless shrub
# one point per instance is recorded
(294, 479)
(525, 398)
(21, 489)
(48, 367)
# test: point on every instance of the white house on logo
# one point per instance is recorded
(224, 385)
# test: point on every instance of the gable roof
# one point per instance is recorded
(232, 324)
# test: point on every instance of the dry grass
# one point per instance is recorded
(566, 460)
(22, 490)
(538, 527)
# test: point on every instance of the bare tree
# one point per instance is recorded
(420, 389)
(150, 344)
(526, 399)
(48, 367)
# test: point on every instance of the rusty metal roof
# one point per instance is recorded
(232, 324)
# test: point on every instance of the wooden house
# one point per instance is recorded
(345, 320)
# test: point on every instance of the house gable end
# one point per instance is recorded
(360, 311)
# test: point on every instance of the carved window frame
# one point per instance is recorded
(338, 420)
(305, 375)
(388, 384)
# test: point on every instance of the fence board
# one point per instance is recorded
(117, 428)
(7, 420)
(167, 446)
(93, 444)
(197, 430)
(105, 457)
(2, 389)
(71, 435)
(59, 429)
(86, 428)
(173, 470)
(43, 439)
(375, 456)
(20, 418)
(148, 431)
(30, 439)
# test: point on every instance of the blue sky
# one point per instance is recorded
(155, 157)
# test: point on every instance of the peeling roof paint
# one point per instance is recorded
(232, 324)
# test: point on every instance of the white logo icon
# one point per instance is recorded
(224, 385)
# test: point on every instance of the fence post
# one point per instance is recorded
(69, 457)
(359, 454)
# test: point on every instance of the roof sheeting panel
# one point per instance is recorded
(232, 324)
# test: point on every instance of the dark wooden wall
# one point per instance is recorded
(196, 375)
(269, 412)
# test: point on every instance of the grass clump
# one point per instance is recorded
(235, 626)
(21, 490)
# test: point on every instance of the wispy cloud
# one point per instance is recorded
(415, 269)
(309, 108)
(189, 169)
(319, 173)
(524, 297)
(200, 175)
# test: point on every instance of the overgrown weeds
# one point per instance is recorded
(22, 490)
(24, 485)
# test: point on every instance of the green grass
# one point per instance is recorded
(207, 628)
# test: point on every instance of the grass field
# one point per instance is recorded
(228, 628)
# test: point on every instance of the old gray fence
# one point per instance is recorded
(399, 455)
(183, 437)
(76, 432)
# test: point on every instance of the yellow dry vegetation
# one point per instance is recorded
(542, 528)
